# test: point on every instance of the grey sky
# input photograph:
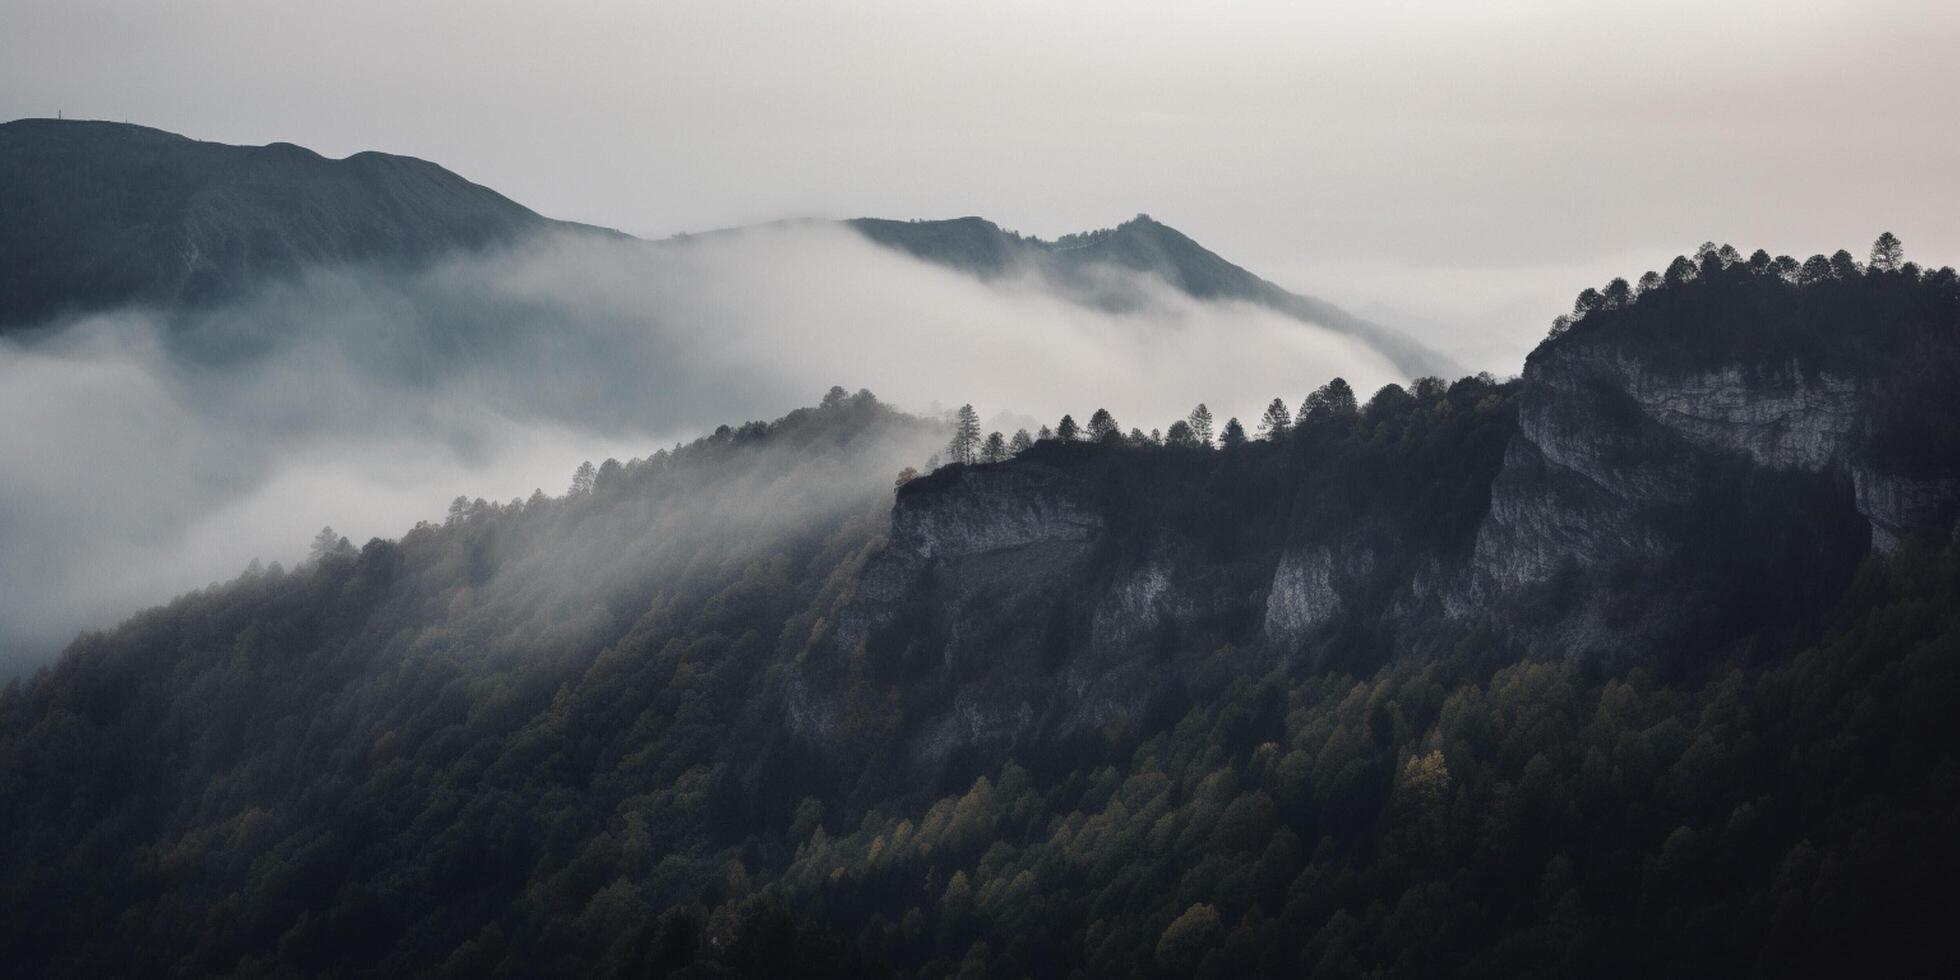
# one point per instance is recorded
(1463, 168)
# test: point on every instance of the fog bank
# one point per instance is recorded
(155, 451)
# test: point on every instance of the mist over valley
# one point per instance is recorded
(1444, 490)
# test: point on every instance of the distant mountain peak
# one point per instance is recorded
(99, 214)
(1141, 244)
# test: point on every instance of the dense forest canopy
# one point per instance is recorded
(547, 737)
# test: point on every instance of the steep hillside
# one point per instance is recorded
(95, 214)
(98, 214)
(522, 675)
(1683, 478)
(1620, 669)
(980, 247)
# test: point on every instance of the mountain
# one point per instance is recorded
(1142, 244)
(1695, 475)
(97, 214)
(1641, 664)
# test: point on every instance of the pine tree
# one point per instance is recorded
(1335, 399)
(1679, 271)
(1276, 421)
(328, 543)
(1844, 266)
(1200, 420)
(965, 445)
(1888, 253)
(1021, 442)
(1234, 434)
(1103, 427)
(1180, 437)
(585, 476)
(1814, 269)
(995, 448)
(1066, 430)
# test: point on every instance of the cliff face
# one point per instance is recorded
(1611, 505)
(1078, 586)
(1623, 470)
(992, 601)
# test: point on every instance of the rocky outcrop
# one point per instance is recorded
(1064, 591)
(1640, 508)
(1896, 504)
(1302, 596)
(1620, 460)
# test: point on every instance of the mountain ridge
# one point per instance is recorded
(1620, 681)
(99, 214)
(1142, 244)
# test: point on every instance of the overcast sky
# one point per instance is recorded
(1461, 168)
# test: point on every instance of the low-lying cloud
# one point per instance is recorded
(149, 452)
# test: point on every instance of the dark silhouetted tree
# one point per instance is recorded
(964, 447)
(1180, 437)
(1335, 399)
(586, 475)
(1274, 423)
(1388, 400)
(1020, 443)
(1844, 266)
(835, 397)
(1103, 427)
(1234, 434)
(1066, 430)
(994, 450)
(1888, 253)
(1200, 421)
(1681, 270)
(1814, 269)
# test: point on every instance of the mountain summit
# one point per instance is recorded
(97, 214)
(1145, 245)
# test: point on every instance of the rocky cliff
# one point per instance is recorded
(1079, 585)
(1635, 497)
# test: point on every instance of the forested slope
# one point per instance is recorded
(1642, 664)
